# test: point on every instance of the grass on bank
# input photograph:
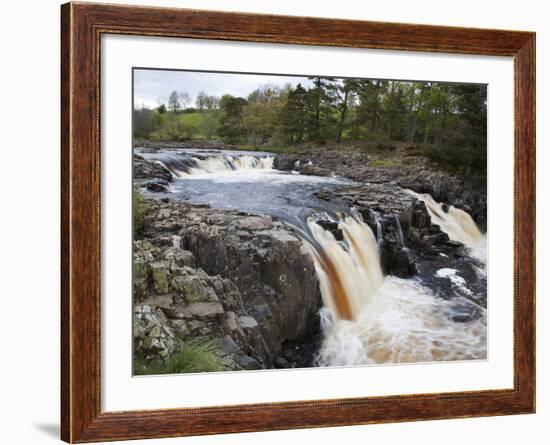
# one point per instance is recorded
(188, 126)
(195, 356)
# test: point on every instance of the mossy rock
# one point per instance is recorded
(159, 274)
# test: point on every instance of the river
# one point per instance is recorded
(367, 318)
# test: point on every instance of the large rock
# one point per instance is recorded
(228, 275)
(144, 169)
(153, 336)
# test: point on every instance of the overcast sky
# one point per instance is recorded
(152, 87)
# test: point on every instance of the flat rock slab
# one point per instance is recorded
(204, 309)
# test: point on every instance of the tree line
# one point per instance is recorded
(448, 120)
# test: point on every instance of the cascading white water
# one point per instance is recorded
(403, 322)
(219, 163)
(347, 276)
(369, 318)
(456, 223)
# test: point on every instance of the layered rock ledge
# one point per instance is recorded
(243, 280)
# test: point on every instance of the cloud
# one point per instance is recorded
(152, 86)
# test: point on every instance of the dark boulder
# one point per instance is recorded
(144, 169)
(286, 162)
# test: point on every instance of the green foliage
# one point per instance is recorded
(145, 122)
(260, 117)
(209, 125)
(184, 125)
(195, 356)
(292, 117)
(140, 208)
(461, 142)
(448, 119)
(231, 122)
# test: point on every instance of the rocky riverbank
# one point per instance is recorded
(410, 244)
(205, 144)
(244, 281)
(408, 170)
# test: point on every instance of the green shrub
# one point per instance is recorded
(195, 356)
(465, 160)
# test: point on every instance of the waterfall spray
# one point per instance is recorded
(456, 223)
(183, 165)
(369, 318)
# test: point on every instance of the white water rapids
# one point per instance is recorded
(456, 223)
(367, 318)
(370, 319)
(194, 165)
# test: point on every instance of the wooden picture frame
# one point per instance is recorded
(82, 26)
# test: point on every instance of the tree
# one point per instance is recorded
(174, 102)
(230, 124)
(292, 117)
(211, 102)
(369, 108)
(209, 124)
(320, 119)
(184, 98)
(261, 114)
(200, 102)
(144, 123)
(394, 111)
(338, 93)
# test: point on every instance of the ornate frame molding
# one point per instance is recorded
(82, 25)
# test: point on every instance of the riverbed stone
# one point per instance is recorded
(248, 322)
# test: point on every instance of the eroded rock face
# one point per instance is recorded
(410, 245)
(247, 282)
(150, 171)
(413, 173)
(242, 279)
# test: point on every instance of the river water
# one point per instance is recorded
(368, 318)
(247, 182)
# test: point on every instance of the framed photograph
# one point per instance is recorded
(275, 222)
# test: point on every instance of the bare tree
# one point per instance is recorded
(174, 102)
(184, 98)
(201, 100)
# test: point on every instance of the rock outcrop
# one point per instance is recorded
(147, 171)
(410, 245)
(413, 172)
(244, 280)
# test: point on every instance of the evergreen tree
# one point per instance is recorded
(292, 118)
(230, 124)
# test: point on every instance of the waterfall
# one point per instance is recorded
(456, 223)
(368, 318)
(183, 165)
(399, 232)
(348, 273)
(403, 323)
